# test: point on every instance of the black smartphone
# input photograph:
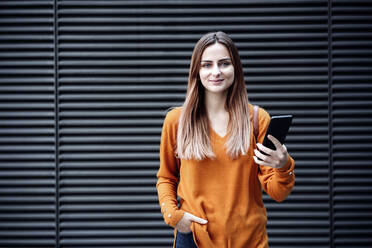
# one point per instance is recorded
(278, 127)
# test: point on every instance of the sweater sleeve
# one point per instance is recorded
(168, 173)
(277, 183)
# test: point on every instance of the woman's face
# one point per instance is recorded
(216, 69)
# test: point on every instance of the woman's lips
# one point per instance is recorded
(216, 82)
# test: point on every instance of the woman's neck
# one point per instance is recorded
(215, 103)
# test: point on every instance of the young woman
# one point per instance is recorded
(209, 157)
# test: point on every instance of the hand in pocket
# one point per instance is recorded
(184, 225)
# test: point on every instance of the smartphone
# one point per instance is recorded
(278, 127)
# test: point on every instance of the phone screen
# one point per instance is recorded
(278, 127)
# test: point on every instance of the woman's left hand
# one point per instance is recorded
(274, 158)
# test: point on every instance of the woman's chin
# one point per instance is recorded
(216, 88)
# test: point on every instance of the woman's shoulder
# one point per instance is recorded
(263, 115)
(173, 115)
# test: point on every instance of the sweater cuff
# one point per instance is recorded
(171, 215)
(287, 169)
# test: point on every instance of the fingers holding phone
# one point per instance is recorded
(274, 158)
(273, 152)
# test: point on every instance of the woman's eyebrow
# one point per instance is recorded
(224, 59)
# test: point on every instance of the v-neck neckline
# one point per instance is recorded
(216, 134)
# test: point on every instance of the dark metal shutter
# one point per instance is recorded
(114, 85)
(27, 125)
(120, 64)
(351, 114)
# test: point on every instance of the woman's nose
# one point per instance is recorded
(216, 70)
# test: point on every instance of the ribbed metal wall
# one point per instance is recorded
(27, 125)
(84, 89)
(351, 118)
(112, 98)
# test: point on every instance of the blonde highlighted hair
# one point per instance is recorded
(193, 137)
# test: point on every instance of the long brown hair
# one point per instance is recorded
(193, 140)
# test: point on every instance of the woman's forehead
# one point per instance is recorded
(216, 51)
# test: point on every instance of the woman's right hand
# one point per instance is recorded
(184, 225)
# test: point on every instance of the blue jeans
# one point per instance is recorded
(185, 240)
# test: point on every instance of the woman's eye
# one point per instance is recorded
(225, 64)
(205, 65)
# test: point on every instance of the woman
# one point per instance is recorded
(208, 156)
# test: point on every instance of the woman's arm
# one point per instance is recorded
(168, 174)
(276, 173)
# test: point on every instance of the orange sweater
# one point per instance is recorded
(225, 192)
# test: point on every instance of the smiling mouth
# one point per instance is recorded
(216, 81)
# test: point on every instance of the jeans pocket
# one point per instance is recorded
(184, 240)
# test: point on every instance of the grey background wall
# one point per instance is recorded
(84, 86)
